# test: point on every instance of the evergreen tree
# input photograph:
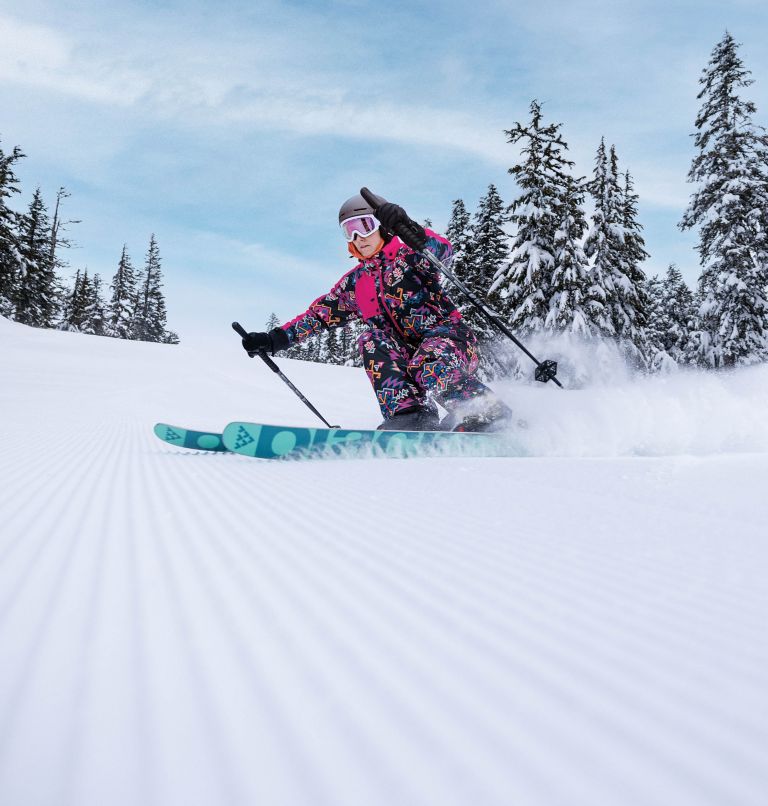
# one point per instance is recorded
(522, 287)
(658, 358)
(67, 310)
(314, 348)
(350, 352)
(10, 258)
(615, 248)
(575, 303)
(272, 322)
(150, 314)
(677, 314)
(546, 285)
(333, 347)
(601, 245)
(79, 307)
(631, 290)
(730, 208)
(122, 303)
(485, 257)
(35, 296)
(95, 316)
(459, 233)
(483, 252)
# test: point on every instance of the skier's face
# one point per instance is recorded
(370, 244)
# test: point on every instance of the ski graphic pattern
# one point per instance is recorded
(186, 438)
(274, 441)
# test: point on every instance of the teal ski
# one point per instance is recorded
(277, 441)
(186, 438)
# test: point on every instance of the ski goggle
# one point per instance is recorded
(362, 225)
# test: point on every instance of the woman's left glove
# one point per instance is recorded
(396, 220)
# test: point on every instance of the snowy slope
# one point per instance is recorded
(584, 626)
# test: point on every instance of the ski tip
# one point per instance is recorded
(186, 438)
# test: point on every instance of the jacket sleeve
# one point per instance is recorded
(334, 309)
(441, 248)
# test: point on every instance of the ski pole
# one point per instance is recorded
(236, 326)
(545, 370)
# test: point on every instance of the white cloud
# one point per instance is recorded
(40, 57)
(253, 85)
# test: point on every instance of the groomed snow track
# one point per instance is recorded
(189, 628)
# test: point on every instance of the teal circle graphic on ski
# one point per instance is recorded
(283, 442)
(209, 442)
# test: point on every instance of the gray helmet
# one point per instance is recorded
(356, 205)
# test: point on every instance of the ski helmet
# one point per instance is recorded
(356, 205)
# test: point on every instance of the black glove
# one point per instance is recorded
(255, 342)
(275, 340)
(394, 219)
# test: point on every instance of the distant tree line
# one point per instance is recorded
(573, 263)
(32, 291)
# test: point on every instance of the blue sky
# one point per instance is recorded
(233, 130)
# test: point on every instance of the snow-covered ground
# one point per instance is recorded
(588, 625)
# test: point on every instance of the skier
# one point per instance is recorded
(416, 349)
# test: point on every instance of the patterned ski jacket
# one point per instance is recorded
(397, 291)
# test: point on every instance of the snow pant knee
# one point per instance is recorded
(439, 367)
(386, 364)
(445, 368)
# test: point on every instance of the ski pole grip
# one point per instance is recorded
(409, 233)
(238, 328)
(241, 331)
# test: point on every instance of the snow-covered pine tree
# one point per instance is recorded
(459, 233)
(67, 310)
(659, 360)
(677, 315)
(353, 330)
(483, 250)
(272, 322)
(730, 208)
(632, 290)
(575, 303)
(524, 286)
(333, 347)
(150, 314)
(92, 305)
(601, 245)
(314, 347)
(36, 298)
(122, 303)
(97, 319)
(485, 255)
(615, 247)
(79, 302)
(10, 259)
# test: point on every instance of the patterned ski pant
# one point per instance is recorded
(440, 367)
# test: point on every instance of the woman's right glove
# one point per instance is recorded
(256, 342)
(274, 341)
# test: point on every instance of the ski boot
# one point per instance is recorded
(494, 417)
(416, 418)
